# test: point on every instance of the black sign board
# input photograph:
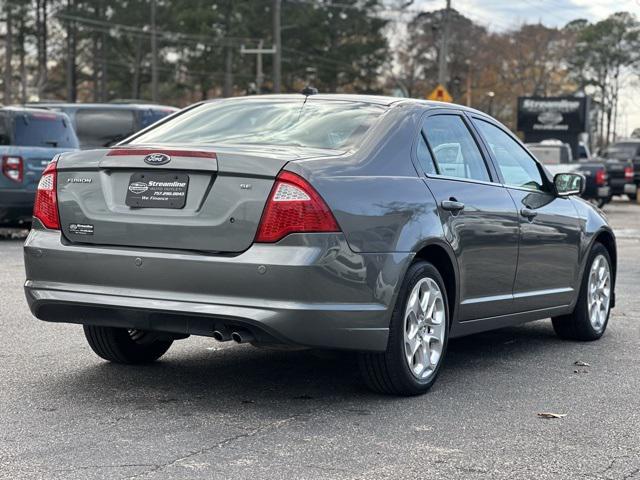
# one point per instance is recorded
(553, 115)
(157, 190)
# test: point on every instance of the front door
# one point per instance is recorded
(478, 216)
(547, 273)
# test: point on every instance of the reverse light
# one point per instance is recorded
(601, 177)
(46, 205)
(628, 173)
(13, 168)
(294, 206)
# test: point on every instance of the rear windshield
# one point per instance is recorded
(319, 124)
(622, 151)
(44, 129)
(102, 127)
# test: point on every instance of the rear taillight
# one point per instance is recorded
(628, 173)
(46, 206)
(294, 206)
(601, 177)
(13, 168)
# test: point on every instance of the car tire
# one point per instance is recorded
(390, 372)
(120, 345)
(632, 196)
(583, 324)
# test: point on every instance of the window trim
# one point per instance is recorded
(548, 184)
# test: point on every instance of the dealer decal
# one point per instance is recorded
(81, 228)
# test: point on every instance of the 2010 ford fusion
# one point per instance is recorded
(381, 225)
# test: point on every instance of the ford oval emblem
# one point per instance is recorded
(157, 159)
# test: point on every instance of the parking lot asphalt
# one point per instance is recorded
(215, 411)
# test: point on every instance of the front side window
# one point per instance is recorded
(516, 165)
(103, 127)
(338, 125)
(455, 151)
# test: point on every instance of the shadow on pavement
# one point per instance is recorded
(222, 379)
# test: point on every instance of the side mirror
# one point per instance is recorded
(569, 184)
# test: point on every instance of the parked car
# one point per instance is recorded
(29, 139)
(104, 124)
(627, 154)
(557, 158)
(375, 224)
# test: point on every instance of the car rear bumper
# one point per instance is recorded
(308, 290)
(16, 207)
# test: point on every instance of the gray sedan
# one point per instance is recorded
(381, 225)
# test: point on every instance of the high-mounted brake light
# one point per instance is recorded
(294, 207)
(628, 173)
(13, 168)
(601, 177)
(46, 206)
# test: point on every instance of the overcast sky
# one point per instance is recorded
(505, 14)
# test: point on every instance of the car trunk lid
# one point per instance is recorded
(210, 198)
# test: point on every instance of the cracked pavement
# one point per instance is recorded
(211, 410)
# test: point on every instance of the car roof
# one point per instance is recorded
(356, 98)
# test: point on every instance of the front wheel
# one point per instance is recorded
(591, 315)
(418, 335)
(121, 345)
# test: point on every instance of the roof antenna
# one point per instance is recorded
(309, 90)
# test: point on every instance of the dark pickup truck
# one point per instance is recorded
(624, 155)
(557, 158)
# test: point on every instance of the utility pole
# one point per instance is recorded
(277, 40)
(468, 62)
(444, 40)
(71, 54)
(8, 55)
(259, 52)
(154, 54)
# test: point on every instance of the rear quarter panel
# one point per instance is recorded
(376, 195)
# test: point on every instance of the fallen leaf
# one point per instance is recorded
(579, 363)
(552, 415)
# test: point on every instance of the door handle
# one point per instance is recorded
(528, 213)
(452, 205)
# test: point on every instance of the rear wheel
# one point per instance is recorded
(418, 335)
(121, 345)
(633, 196)
(590, 317)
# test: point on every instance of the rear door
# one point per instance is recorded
(478, 216)
(549, 227)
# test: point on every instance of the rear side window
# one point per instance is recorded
(516, 165)
(44, 129)
(424, 156)
(152, 115)
(104, 127)
(455, 150)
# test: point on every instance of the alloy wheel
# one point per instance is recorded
(424, 328)
(599, 292)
